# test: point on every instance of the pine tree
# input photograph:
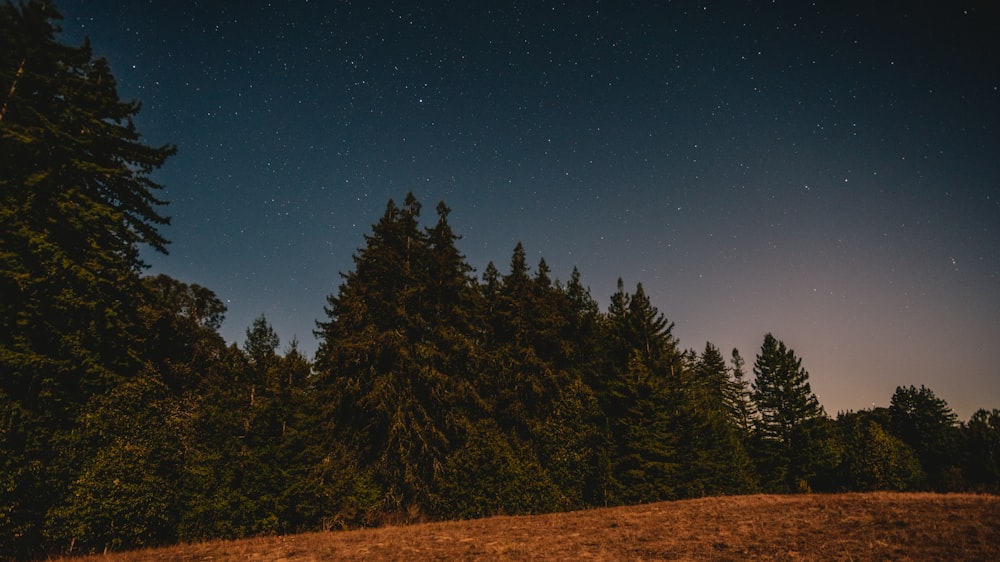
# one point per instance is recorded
(583, 343)
(263, 467)
(540, 342)
(711, 450)
(290, 380)
(926, 422)
(983, 450)
(787, 431)
(76, 201)
(643, 429)
(452, 291)
(582, 334)
(451, 346)
(642, 396)
(519, 382)
(261, 349)
(393, 357)
(739, 399)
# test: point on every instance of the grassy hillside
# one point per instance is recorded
(878, 526)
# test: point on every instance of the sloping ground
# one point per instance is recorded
(879, 526)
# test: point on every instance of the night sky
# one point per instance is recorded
(829, 173)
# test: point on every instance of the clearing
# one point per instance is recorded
(871, 526)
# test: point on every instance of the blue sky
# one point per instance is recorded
(827, 173)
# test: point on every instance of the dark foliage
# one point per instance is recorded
(126, 420)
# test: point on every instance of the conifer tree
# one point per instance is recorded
(385, 365)
(643, 429)
(982, 439)
(584, 347)
(259, 389)
(647, 331)
(451, 343)
(642, 398)
(289, 418)
(582, 335)
(926, 423)
(76, 201)
(570, 435)
(525, 378)
(261, 349)
(711, 451)
(739, 399)
(452, 291)
(786, 432)
(519, 381)
(534, 381)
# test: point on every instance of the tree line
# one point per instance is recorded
(126, 420)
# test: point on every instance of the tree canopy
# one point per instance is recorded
(76, 201)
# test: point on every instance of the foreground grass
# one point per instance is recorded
(877, 526)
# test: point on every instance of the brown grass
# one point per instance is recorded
(878, 526)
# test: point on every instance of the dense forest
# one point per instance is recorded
(126, 420)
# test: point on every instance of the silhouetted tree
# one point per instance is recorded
(926, 423)
(739, 398)
(711, 451)
(642, 398)
(982, 439)
(873, 458)
(791, 427)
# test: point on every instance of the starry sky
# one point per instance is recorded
(826, 171)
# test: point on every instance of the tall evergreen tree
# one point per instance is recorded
(570, 435)
(926, 422)
(583, 347)
(217, 461)
(535, 390)
(582, 335)
(786, 432)
(711, 452)
(643, 429)
(642, 398)
(289, 419)
(75, 202)
(389, 357)
(518, 380)
(739, 399)
(982, 439)
(260, 390)
(261, 349)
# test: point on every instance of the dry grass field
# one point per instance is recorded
(877, 526)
